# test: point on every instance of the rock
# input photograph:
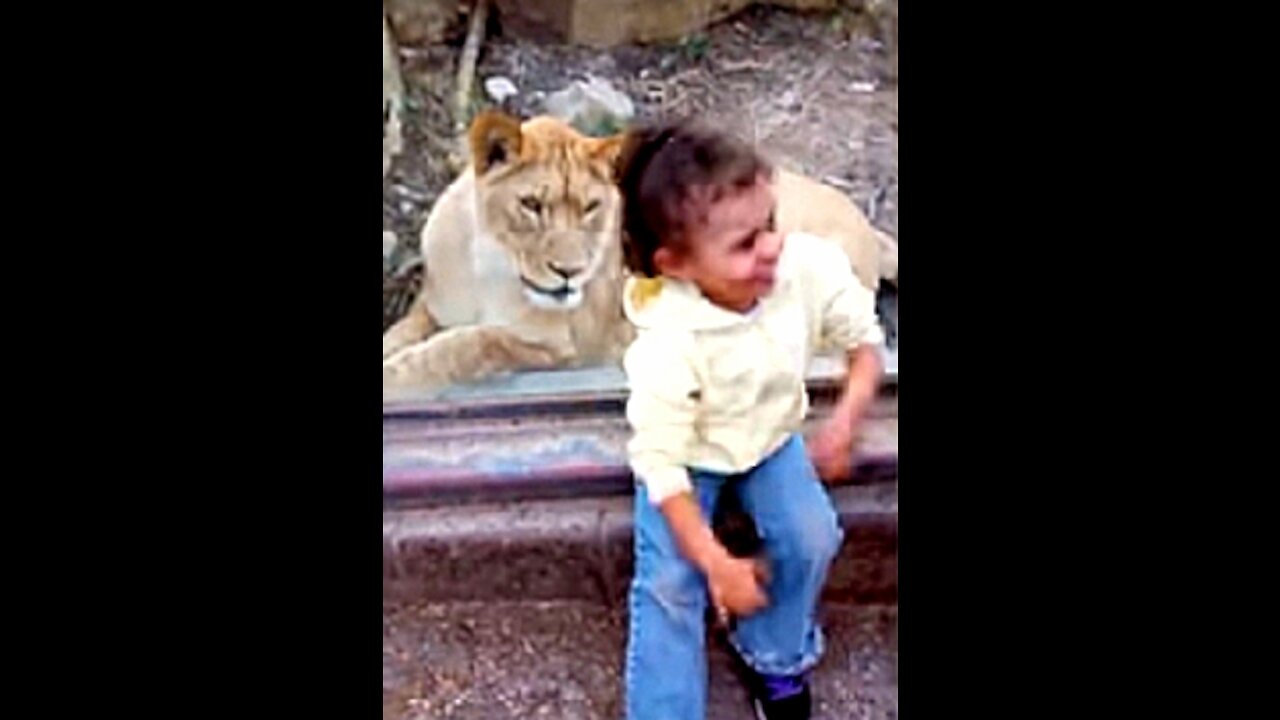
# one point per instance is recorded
(889, 26)
(594, 107)
(388, 249)
(421, 22)
(788, 100)
(500, 88)
(601, 23)
(884, 13)
(388, 244)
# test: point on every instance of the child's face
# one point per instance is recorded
(733, 256)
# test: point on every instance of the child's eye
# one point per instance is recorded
(747, 244)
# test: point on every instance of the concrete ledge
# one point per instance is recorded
(581, 550)
(559, 445)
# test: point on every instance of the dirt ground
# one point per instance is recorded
(563, 660)
(811, 89)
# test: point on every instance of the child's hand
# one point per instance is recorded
(735, 586)
(831, 450)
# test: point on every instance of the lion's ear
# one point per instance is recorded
(495, 139)
(607, 150)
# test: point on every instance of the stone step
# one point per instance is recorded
(581, 549)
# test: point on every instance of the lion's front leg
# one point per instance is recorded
(466, 354)
(888, 256)
(415, 326)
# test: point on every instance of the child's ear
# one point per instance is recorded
(670, 263)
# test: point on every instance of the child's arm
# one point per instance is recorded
(865, 371)
(662, 411)
(849, 319)
(832, 448)
(733, 582)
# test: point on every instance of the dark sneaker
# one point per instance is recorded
(773, 697)
(781, 697)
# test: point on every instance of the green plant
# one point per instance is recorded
(695, 46)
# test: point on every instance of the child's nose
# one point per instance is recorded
(771, 248)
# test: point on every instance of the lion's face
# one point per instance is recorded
(545, 193)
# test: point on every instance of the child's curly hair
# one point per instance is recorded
(668, 176)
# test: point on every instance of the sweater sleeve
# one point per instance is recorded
(662, 410)
(847, 309)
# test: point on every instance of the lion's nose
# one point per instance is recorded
(565, 271)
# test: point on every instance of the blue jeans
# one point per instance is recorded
(666, 671)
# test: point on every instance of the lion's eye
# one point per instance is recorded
(591, 207)
(531, 204)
